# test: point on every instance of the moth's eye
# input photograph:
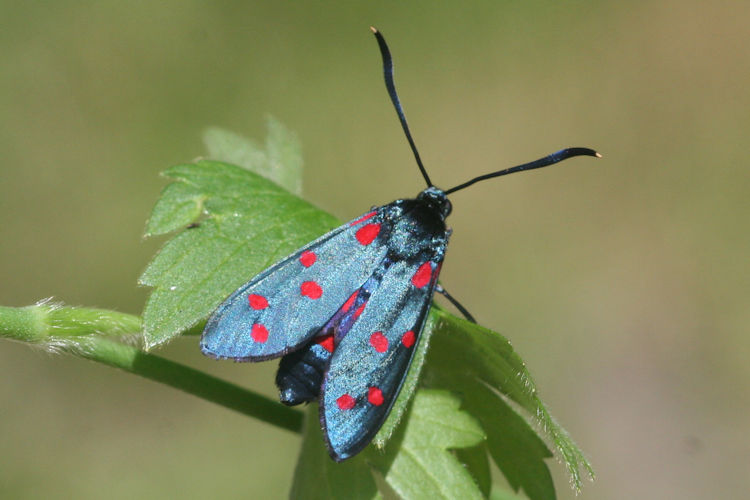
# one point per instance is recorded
(447, 208)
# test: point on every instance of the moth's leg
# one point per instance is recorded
(439, 289)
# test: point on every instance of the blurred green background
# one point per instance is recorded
(623, 282)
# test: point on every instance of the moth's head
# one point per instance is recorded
(437, 200)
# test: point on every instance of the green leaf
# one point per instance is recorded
(281, 161)
(248, 224)
(423, 466)
(179, 206)
(284, 156)
(230, 147)
(482, 366)
(498, 494)
(476, 462)
(319, 477)
(513, 444)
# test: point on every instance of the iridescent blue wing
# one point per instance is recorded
(369, 364)
(285, 305)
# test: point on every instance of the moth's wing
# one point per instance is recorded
(370, 363)
(282, 307)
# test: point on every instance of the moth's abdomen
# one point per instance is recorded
(301, 372)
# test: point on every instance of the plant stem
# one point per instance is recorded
(81, 332)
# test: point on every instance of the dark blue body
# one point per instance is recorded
(345, 312)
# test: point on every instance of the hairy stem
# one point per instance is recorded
(93, 334)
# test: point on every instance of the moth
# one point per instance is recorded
(345, 312)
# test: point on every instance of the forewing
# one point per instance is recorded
(285, 305)
(369, 365)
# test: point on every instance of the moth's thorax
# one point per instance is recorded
(418, 225)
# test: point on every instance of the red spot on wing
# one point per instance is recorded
(326, 342)
(363, 218)
(423, 275)
(307, 258)
(359, 310)
(375, 396)
(367, 234)
(349, 302)
(257, 302)
(379, 342)
(259, 333)
(311, 289)
(346, 402)
(408, 339)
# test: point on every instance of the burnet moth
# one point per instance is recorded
(345, 312)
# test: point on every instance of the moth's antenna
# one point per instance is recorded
(559, 156)
(388, 72)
